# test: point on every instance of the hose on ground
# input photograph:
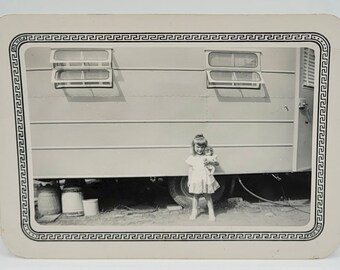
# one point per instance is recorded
(269, 201)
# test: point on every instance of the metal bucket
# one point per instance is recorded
(49, 200)
(72, 201)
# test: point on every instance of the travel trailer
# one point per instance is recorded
(122, 111)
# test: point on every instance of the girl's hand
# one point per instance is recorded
(211, 162)
(206, 162)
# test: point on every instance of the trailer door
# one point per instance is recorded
(304, 110)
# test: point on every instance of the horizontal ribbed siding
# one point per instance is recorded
(144, 125)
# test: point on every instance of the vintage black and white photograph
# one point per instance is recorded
(192, 134)
(163, 139)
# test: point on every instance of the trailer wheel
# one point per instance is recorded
(178, 189)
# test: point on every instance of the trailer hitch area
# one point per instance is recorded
(278, 178)
(302, 103)
(154, 179)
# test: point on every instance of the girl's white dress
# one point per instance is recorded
(199, 180)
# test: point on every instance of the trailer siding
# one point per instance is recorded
(146, 122)
(125, 134)
(89, 163)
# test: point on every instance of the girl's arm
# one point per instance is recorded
(189, 161)
(189, 176)
(190, 169)
(213, 161)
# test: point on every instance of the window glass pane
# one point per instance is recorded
(95, 55)
(227, 59)
(75, 55)
(248, 60)
(247, 76)
(67, 55)
(247, 85)
(83, 75)
(221, 75)
(96, 74)
(83, 64)
(69, 75)
(220, 59)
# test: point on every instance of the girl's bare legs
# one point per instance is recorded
(194, 211)
(210, 207)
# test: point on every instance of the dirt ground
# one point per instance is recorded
(131, 203)
(243, 214)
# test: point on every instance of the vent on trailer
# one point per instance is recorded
(81, 68)
(308, 67)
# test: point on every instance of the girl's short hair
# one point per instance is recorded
(200, 140)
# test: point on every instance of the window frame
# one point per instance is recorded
(82, 65)
(233, 84)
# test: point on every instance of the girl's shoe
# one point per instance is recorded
(212, 217)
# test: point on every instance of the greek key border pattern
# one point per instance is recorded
(14, 50)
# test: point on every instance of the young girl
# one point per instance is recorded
(199, 179)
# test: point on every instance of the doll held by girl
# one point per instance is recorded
(211, 160)
(200, 181)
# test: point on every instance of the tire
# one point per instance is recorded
(178, 189)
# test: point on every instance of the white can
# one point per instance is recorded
(91, 207)
(71, 200)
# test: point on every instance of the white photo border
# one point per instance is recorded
(267, 37)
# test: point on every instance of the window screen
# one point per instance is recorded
(228, 59)
(81, 68)
(227, 69)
